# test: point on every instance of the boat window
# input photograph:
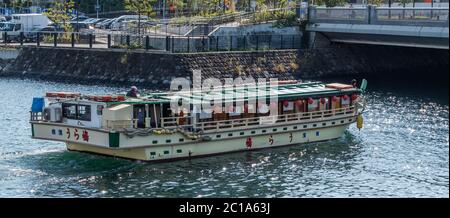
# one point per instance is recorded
(275, 130)
(181, 140)
(69, 111)
(179, 151)
(166, 152)
(100, 110)
(168, 141)
(305, 126)
(324, 124)
(314, 125)
(333, 123)
(155, 142)
(218, 136)
(242, 133)
(342, 121)
(84, 112)
(304, 135)
(295, 127)
(231, 134)
(77, 112)
(253, 132)
(152, 153)
(285, 128)
(317, 133)
(264, 131)
(17, 27)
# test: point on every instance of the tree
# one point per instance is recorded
(405, 2)
(330, 3)
(88, 6)
(140, 7)
(59, 13)
(375, 2)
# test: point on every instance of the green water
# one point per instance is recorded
(403, 151)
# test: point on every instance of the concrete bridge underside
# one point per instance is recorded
(408, 27)
(407, 36)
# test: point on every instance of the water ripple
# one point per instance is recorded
(402, 152)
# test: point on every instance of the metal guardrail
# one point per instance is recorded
(407, 16)
(173, 44)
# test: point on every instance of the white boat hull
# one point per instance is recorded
(214, 147)
(178, 146)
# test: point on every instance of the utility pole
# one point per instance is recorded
(77, 6)
(97, 7)
(164, 9)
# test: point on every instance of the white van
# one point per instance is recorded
(25, 23)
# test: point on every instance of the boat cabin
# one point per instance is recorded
(294, 102)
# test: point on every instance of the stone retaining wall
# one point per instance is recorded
(156, 70)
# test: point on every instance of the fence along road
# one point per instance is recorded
(174, 44)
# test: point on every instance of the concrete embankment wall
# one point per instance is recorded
(156, 70)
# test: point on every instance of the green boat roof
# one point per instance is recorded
(247, 93)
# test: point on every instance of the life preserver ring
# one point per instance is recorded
(287, 82)
(62, 94)
(107, 98)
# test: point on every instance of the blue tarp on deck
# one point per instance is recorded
(38, 105)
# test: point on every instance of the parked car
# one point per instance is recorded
(80, 18)
(102, 23)
(52, 28)
(32, 36)
(107, 24)
(78, 26)
(117, 24)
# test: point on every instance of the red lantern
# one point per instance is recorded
(310, 101)
(286, 103)
(335, 99)
(323, 100)
(345, 97)
(217, 110)
(354, 97)
(273, 106)
(231, 109)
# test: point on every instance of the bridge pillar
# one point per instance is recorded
(312, 12)
(371, 14)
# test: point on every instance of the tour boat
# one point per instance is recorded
(148, 128)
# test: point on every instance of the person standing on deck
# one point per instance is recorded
(140, 118)
(133, 93)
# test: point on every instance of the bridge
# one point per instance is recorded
(423, 27)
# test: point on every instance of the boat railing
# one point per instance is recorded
(175, 122)
(36, 116)
(170, 121)
(120, 124)
(285, 118)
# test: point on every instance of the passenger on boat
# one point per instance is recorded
(354, 83)
(140, 118)
(133, 93)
